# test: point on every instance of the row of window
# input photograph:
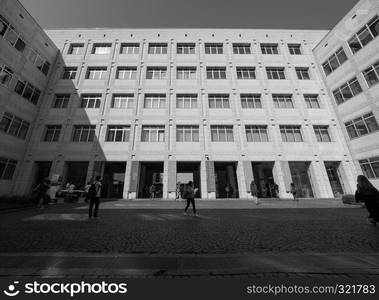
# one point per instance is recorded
(184, 101)
(370, 167)
(185, 133)
(182, 48)
(362, 125)
(15, 126)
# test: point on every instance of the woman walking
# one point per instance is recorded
(189, 194)
(368, 194)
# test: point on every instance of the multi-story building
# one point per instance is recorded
(220, 107)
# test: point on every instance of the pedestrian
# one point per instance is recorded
(178, 195)
(86, 189)
(189, 194)
(228, 190)
(152, 190)
(368, 194)
(293, 191)
(276, 190)
(94, 193)
(40, 192)
(254, 191)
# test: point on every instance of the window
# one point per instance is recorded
(362, 126)
(4, 24)
(211, 48)
(52, 133)
(27, 91)
(61, 101)
(7, 166)
(370, 167)
(15, 126)
(182, 48)
(156, 73)
(122, 101)
(6, 75)
(218, 101)
(241, 49)
(275, 73)
(90, 101)
(322, 133)
(302, 73)
(282, 101)
(187, 133)
(153, 134)
(83, 133)
(101, 48)
(269, 49)
(364, 35)
(312, 101)
(245, 72)
(38, 61)
(11, 35)
(118, 133)
(216, 73)
(129, 48)
(156, 48)
(347, 91)
(186, 73)
(69, 72)
(334, 61)
(188, 101)
(371, 74)
(126, 73)
(291, 133)
(256, 133)
(96, 73)
(251, 101)
(155, 101)
(222, 133)
(76, 49)
(294, 49)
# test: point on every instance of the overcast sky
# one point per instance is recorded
(284, 14)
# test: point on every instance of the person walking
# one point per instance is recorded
(94, 193)
(86, 190)
(293, 191)
(368, 194)
(152, 190)
(189, 194)
(254, 192)
(40, 192)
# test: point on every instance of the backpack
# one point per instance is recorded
(92, 191)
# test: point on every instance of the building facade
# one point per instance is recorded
(220, 107)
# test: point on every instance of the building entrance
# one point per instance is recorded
(264, 179)
(113, 179)
(226, 180)
(332, 169)
(301, 178)
(42, 171)
(76, 173)
(150, 183)
(188, 171)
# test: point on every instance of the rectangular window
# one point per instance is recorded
(365, 35)
(347, 91)
(251, 101)
(15, 126)
(38, 61)
(291, 133)
(52, 133)
(222, 133)
(101, 48)
(69, 73)
(245, 72)
(4, 24)
(186, 101)
(370, 167)
(61, 101)
(186, 73)
(96, 73)
(214, 48)
(122, 101)
(185, 48)
(371, 74)
(6, 75)
(216, 73)
(362, 126)
(7, 167)
(12, 36)
(282, 100)
(256, 133)
(275, 73)
(269, 48)
(118, 133)
(294, 49)
(156, 73)
(153, 134)
(90, 101)
(83, 133)
(218, 101)
(126, 73)
(76, 49)
(187, 133)
(322, 133)
(302, 73)
(312, 101)
(334, 61)
(157, 48)
(155, 101)
(27, 91)
(129, 48)
(241, 49)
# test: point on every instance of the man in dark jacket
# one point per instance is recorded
(368, 194)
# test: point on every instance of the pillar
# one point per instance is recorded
(125, 193)
(203, 180)
(165, 179)
(133, 179)
(320, 181)
(248, 176)
(282, 176)
(211, 179)
(171, 184)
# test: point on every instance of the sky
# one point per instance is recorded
(269, 14)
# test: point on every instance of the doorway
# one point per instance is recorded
(332, 169)
(113, 179)
(76, 173)
(188, 171)
(150, 176)
(264, 179)
(301, 179)
(42, 171)
(226, 180)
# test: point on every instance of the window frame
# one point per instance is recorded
(226, 131)
(253, 131)
(184, 130)
(118, 134)
(157, 131)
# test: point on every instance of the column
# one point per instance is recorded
(203, 180)
(133, 179)
(282, 176)
(241, 181)
(348, 175)
(171, 172)
(165, 179)
(320, 181)
(248, 176)
(211, 180)
(127, 177)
